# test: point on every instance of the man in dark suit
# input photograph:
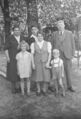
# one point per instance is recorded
(33, 36)
(63, 40)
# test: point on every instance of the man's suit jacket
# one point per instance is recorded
(31, 40)
(64, 43)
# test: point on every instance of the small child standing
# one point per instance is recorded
(57, 71)
(25, 64)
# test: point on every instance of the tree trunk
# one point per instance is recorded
(32, 14)
(5, 9)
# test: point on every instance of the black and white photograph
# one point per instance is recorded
(40, 59)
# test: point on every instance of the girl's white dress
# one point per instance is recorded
(24, 64)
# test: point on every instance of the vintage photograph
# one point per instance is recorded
(40, 59)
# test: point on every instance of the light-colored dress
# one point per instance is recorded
(41, 51)
(24, 64)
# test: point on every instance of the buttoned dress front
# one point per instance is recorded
(41, 58)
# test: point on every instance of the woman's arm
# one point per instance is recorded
(49, 54)
(49, 58)
(32, 55)
(33, 64)
(7, 56)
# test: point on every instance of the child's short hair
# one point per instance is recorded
(15, 26)
(25, 44)
(56, 52)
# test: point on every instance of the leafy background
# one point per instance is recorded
(48, 11)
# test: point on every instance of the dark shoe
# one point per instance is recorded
(28, 94)
(56, 94)
(63, 94)
(38, 93)
(44, 93)
(18, 90)
(71, 89)
(13, 91)
(51, 89)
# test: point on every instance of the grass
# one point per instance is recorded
(15, 106)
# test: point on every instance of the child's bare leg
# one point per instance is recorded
(22, 86)
(38, 87)
(56, 86)
(62, 86)
(44, 87)
(28, 86)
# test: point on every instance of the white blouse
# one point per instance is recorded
(40, 44)
(18, 39)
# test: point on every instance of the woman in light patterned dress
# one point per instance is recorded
(41, 51)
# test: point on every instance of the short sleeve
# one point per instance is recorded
(49, 47)
(17, 56)
(32, 48)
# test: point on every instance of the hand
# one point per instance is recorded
(47, 65)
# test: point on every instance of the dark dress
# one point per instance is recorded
(12, 46)
(31, 40)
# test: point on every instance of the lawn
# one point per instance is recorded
(16, 106)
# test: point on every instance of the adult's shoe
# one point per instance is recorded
(71, 89)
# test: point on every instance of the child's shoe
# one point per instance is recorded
(38, 93)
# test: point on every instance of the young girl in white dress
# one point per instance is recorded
(58, 71)
(24, 65)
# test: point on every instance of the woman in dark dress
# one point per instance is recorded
(11, 49)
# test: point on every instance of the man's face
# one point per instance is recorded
(34, 30)
(60, 25)
(16, 31)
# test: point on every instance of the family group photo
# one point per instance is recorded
(40, 59)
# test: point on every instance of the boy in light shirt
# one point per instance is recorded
(57, 71)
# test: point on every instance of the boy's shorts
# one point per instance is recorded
(56, 73)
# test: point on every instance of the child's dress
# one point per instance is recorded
(24, 64)
(57, 68)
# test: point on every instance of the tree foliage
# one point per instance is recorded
(45, 12)
(32, 14)
(18, 13)
(50, 10)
